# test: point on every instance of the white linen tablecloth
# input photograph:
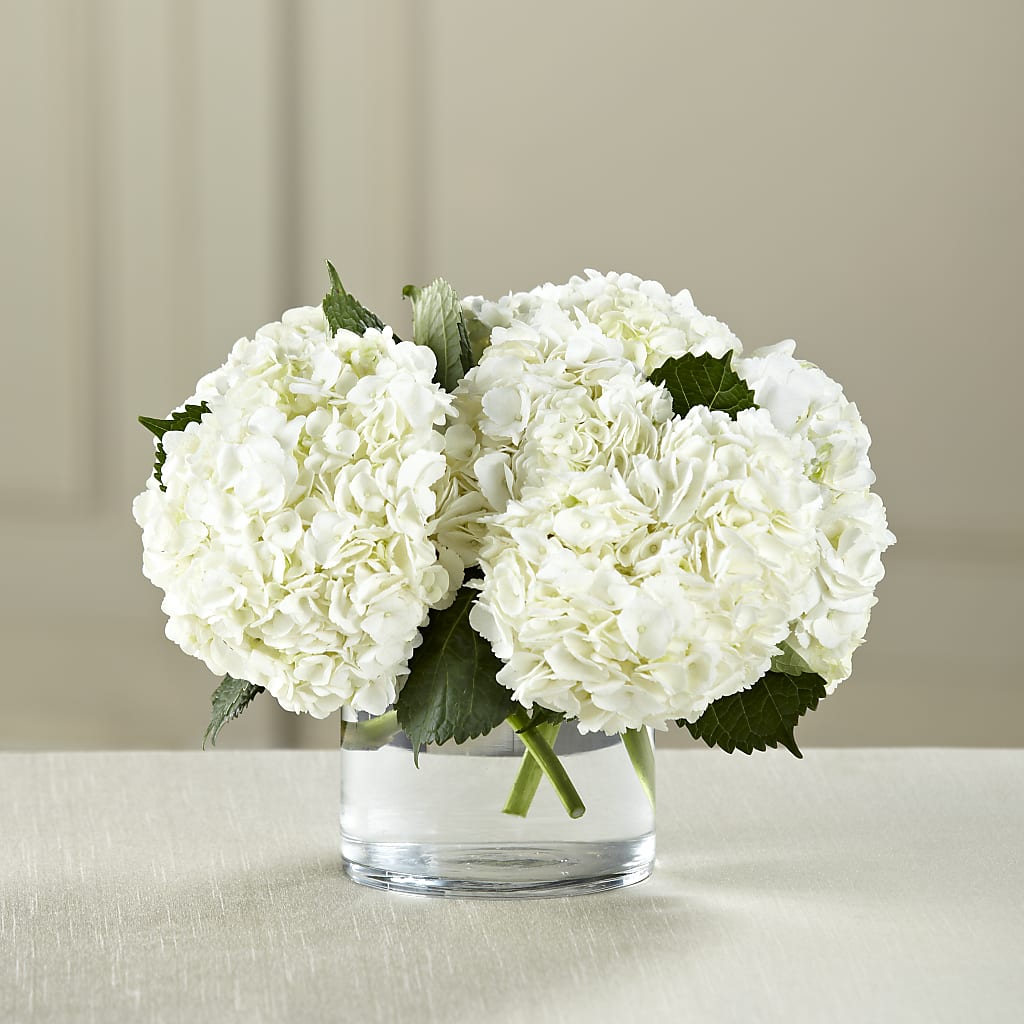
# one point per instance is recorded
(855, 885)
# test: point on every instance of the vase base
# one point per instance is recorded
(494, 871)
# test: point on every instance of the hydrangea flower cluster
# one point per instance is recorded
(294, 540)
(635, 564)
(636, 594)
(546, 398)
(543, 441)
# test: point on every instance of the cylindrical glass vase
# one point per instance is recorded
(441, 828)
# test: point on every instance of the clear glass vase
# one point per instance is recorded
(442, 828)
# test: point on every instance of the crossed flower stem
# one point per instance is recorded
(540, 759)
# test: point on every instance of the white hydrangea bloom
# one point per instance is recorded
(546, 399)
(636, 591)
(294, 541)
(806, 403)
(651, 324)
(538, 346)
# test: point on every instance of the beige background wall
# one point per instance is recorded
(175, 172)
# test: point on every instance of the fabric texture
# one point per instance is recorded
(853, 885)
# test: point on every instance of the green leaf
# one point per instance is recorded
(704, 380)
(466, 357)
(789, 662)
(451, 692)
(345, 313)
(479, 335)
(177, 421)
(763, 716)
(229, 700)
(437, 322)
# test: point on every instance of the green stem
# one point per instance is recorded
(524, 789)
(371, 734)
(548, 762)
(638, 745)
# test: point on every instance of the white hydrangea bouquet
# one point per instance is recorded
(581, 503)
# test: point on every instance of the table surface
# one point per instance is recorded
(855, 885)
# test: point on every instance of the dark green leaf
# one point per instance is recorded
(451, 692)
(229, 700)
(437, 322)
(177, 421)
(704, 380)
(465, 348)
(345, 313)
(763, 716)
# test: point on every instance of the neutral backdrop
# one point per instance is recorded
(175, 173)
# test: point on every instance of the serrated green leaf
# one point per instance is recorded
(704, 380)
(344, 312)
(229, 700)
(176, 421)
(763, 716)
(437, 322)
(451, 692)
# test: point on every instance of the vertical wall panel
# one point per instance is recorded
(237, 148)
(356, 108)
(148, 299)
(180, 194)
(44, 416)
